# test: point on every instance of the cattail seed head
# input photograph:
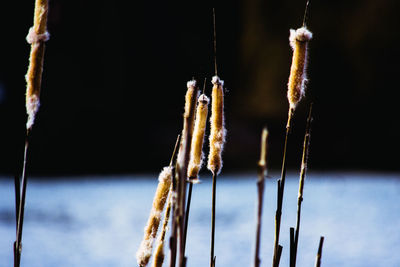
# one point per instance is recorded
(196, 151)
(159, 251)
(190, 103)
(217, 132)
(298, 77)
(159, 255)
(36, 37)
(150, 231)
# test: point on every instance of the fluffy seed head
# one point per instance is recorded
(159, 255)
(298, 77)
(32, 107)
(217, 132)
(196, 150)
(150, 231)
(190, 105)
(36, 37)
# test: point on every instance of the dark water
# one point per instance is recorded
(99, 222)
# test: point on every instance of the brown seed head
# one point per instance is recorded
(217, 132)
(298, 77)
(150, 231)
(36, 37)
(196, 150)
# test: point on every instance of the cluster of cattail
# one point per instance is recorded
(188, 166)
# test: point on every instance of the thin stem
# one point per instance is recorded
(279, 254)
(21, 209)
(215, 43)
(175, 147)
(204, 85)
(305, 13)
(17, 186)
(260, 187)
(319, 254)
(173, 238)
(187, 215)
(292, 245)
(303, 171)
(281, 188)
(262, 169)
(214, 194)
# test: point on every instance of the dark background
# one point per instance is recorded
(115, 76)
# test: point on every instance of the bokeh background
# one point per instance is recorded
(115, 76)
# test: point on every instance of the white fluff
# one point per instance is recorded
(204, 98)
(33, 37)
(165, 174)
(301, 34)
(144, 252)
(217, 80)
(191, 83)
(32, 106)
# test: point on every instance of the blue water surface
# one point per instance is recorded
(99, 221)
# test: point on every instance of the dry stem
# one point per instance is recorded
(303, 171)
(319, 254)
(280, 191)
(262, 168)
(181, 175)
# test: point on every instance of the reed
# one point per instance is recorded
(159, 251)
(298, 40)
(304, 163)
(262, 172)
(143, 254)
(181, 175)
(217, 140)
(218, 131)
(196, 152)
(37, 36)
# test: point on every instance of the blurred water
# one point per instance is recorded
(99, 222)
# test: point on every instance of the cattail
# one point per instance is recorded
(150, 231)
(196, 152)
(218, 132)
(159, 251)
(298, 77)
(36, 37)
(181, 173)
(187, 132)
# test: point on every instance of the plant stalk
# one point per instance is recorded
(319, 254)
(214, 195)
(280, 191)
(21, 208)
(304, 163)
(189, 199)
(262, 170)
